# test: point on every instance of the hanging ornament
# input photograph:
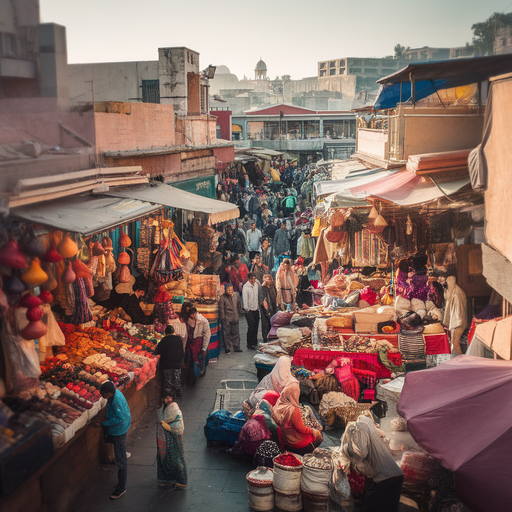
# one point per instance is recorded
(67, 248)
(380, 222)
(125, 240)
(29, 301)
(408, 225)
(11, 256)
(373, 213)
(31, 245)
(51, 283)
(68, 276)
(46, 297)
(34, 275)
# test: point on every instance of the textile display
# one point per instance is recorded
(314, 359)
(369, 250)
(214, 345)
(412, 347)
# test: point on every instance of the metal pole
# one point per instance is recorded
(413, 88)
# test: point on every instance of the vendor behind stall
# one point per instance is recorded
(126, 296)
(286, 413)
(368, 455)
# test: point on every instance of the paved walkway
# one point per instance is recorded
(216, 479)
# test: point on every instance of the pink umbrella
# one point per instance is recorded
(460, 413)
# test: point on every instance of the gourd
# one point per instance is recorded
(33, 330)
(51, 283)
(29, 301)
(13, 285)
(11, 256)
(34, 314)
(52, 256)
(34, 275)
(67, 248)
(125, 240)
(31, 245)
(124, 258)
(46, 296)
(68, 276)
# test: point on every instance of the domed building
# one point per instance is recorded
(260, 71)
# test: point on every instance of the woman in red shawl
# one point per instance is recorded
(286, 413)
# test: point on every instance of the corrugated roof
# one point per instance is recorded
(84, 214)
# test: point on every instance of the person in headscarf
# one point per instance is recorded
(171, 465)
(369, 456)
(276, 380)
(260, 427)
(286, 286)
(287, 414)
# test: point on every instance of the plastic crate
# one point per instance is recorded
(233, 393)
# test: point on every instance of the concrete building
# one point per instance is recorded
(300, 132)
(503, 41)
(173, 79)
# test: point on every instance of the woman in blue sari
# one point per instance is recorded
(171, 466)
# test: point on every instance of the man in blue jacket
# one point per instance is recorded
(117, 424)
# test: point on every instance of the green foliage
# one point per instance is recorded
(485, 32)
(400, 51)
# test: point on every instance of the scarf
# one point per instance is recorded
(287, 404)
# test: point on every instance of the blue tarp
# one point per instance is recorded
(391, 94)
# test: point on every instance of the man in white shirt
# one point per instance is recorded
(251, 303)
(253, 240)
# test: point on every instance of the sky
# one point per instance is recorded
(291, 36)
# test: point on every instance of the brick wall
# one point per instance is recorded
(150, 125)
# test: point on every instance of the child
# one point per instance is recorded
(171, 466)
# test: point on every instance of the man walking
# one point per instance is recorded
(172, 354)
(251, 302)
(253, 240)
(230, 307)
(117, 424)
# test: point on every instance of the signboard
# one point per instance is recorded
(201, 186)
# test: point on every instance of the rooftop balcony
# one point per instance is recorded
(411, 131)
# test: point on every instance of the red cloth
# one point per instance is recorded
(271, 397)
(436, 344)
(313, 359)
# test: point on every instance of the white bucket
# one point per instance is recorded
(288, 502)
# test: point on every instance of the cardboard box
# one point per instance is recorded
(368, 328)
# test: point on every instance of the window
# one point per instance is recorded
(322, 73)
(322, 65)
(9, 44)
(332, 72)
(342, 63)
(218, 134)
(342, 71)
(151, 91)
(332, 64)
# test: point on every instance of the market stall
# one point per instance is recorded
(88, 285)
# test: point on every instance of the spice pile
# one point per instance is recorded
(287, 459)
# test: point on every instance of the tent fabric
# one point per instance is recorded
(392, 93)
(159, 193)
(86, 214)
(477, 162)
(406, 188)
(323, 188)
(470, 70)
(458, 413)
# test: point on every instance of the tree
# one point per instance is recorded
(485, 32)
(400, 51)
(286, 77)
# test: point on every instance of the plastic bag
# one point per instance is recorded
(340, 491)
(21, 361)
